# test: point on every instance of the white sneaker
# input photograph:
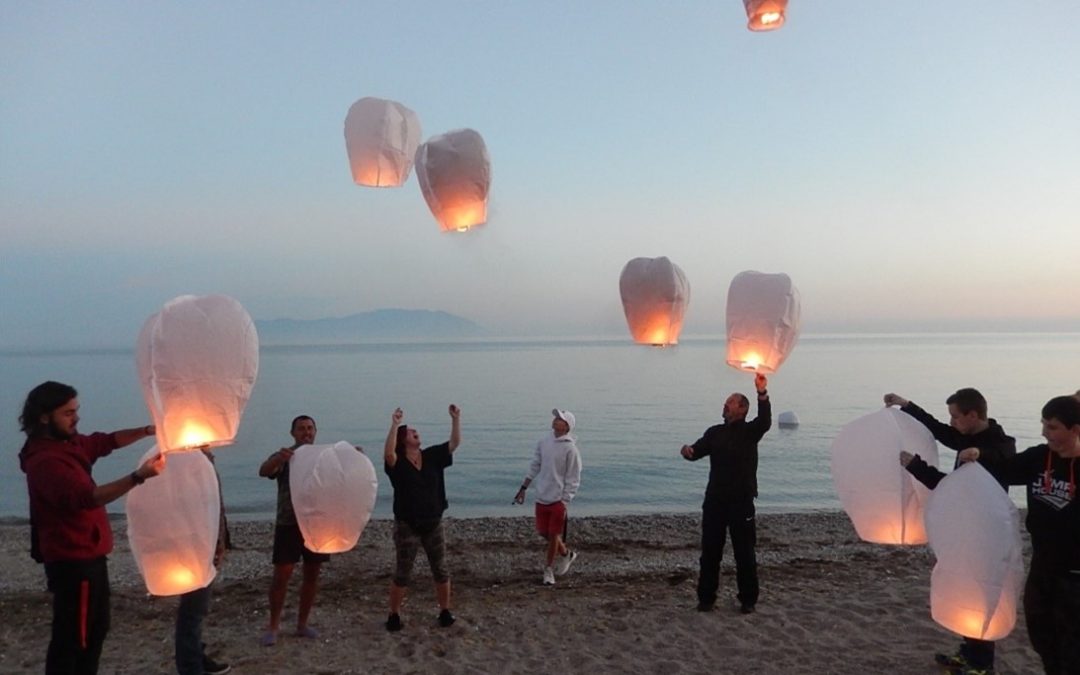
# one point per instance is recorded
(549, 576)
(562, 565)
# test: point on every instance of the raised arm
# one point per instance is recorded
(390, 448)
(455, 427)
(763, 421)
(103, 494)
(128, 436)
(276, 462)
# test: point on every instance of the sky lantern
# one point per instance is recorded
(654, 293)
(172, 524)
(333, 492)
(974, 530)
(197, 360)
(884, 501)
(763, 321)
(454, 171)
(381, 138)
(765, 15)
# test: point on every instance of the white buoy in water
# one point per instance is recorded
(788, 420)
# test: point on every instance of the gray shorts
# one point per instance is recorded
(407, 542)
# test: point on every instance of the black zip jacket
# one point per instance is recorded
(995, 447)
(733, 456)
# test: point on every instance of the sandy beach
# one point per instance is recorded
(829, 604)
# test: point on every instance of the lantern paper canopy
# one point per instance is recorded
(381, 138)
(172, 524)
(333, 493)
(974, 530)
(654, 296)
(763, 321)
(197, 360)
(884, 501)
(765, 15)
(455, 173)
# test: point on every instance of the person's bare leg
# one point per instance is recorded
(442, 594)
(308, 588)
(279, 586)
(397, 595)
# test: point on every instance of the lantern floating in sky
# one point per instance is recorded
(454, 171)
(764, 15)
(763, 321)
(884, 501)
(172, 524)
(381, 138)
(197, 360)
(974, 530)
(654, 296)
(333, 493)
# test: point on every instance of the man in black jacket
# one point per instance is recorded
(729, 498)
(968, 427)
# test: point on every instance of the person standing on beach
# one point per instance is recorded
(968, 427)
(556, 468)
(289, 546)
(1052, 591)
(732, 449)
(69, 528)
(419, 502)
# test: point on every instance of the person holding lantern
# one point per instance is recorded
(289, 546)
(69, 528)
(968, 427)
(419, 502)
(732, 449)
(1052, 590)
(556, 468)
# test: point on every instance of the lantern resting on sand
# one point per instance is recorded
(884, 501)
(654, 295)
(333, 493)
(765, 15)
(197, 360)
(763, 321)
(454, 172)
(381, 138)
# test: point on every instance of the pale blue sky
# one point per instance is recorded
(912, 165)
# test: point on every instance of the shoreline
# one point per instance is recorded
(830, 604)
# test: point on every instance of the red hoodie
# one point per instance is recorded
(70, 526)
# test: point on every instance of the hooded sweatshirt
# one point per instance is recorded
(995, 447)
(556, 469)
(68, 525)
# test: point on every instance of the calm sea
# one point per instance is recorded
(635, 407)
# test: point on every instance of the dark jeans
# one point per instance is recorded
(80, 616)
(193, 608)
(1052, 611)
(717, 519)
(978, 653)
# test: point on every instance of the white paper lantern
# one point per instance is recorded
(172, 524)
(974, 530)
(454, 172)
(765, 15)
(654, 294)
(884, 501)
(787, 420)
(381, 138)
(197, 360)
(763, 321)
(333, 493)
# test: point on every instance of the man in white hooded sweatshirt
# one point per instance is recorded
(556, 469)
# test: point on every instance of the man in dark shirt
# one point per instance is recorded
(968, 427)
(732, 449)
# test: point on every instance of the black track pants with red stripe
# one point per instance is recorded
(80, 616)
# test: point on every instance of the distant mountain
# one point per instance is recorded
(378, 324)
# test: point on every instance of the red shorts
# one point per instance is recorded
(550, 518)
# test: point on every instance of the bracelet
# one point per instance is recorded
(763, 393)
(135, 478)
(524, 487)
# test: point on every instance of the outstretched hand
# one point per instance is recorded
(761, 383)
(968, 455)
(906, 457)
(152, 467)
(398, 415)
(894, 399)
(687, 452)
(455, 411)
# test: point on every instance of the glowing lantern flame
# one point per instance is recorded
(333, 491)
(765, 15)
(654, 294)
(381, 138)
(454, 172)
(763, 321)
(974, 529)
(197, 360)
(884, 502)
(172, 524)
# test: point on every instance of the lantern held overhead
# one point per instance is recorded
(884, 501)
(974, 530)
(333, 493)
(765, 15)
(381, 138)
(197, 360)
(763, 321)
(454, 171)
(172, 524)
(654, 294)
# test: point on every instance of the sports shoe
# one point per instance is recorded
(951, 661)
(746, 609)
(562, 566)
(307, 632)
(212, 667)
(549, 576)
(393, 623)
(446, 619)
